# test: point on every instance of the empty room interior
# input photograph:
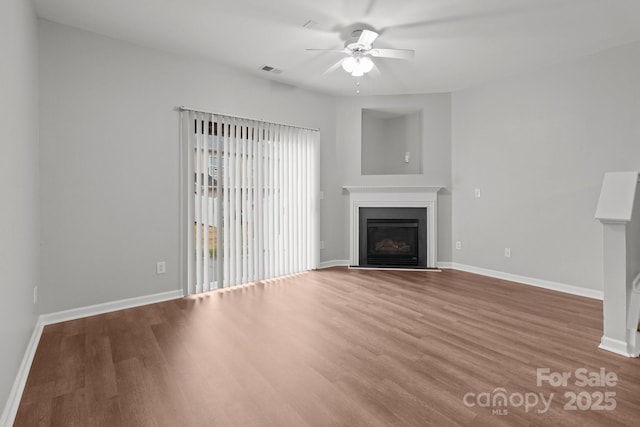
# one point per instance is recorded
(302, 213)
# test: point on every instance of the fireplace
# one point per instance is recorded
(393, 237)
(393, 203)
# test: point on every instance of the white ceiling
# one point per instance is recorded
(458, 43)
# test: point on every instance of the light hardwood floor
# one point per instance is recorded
(335, 347)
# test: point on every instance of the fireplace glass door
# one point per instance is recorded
(392, 242)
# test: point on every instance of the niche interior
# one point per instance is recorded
(391, 142)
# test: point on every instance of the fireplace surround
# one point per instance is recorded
(424, 198)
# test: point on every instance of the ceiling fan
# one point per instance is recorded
(359, 48)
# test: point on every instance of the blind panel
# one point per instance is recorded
(198, 207)
(225, 203)
(253, 213)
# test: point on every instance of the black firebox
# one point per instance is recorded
(393, 237)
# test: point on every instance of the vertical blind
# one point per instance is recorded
(251, 199)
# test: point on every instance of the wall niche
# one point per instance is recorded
(391, 142)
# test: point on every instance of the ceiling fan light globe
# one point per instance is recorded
(362, 66)
(366, 64)
(349, 64)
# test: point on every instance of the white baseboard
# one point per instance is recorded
(334, 263)
(546, 284)
(614, 346)
(531, 281)
(92, 310)
(11, 407)
(13, 401)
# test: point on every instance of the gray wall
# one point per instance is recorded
(109, 161)
(18, 184)
(537, 146)
(435, 152)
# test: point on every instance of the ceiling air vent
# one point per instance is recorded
(310, 24)
(270, 69)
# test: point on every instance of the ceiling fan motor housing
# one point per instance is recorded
(354, 44)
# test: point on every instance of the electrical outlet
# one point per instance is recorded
(321, 244)
(161, 267)
(322, 195)
(35, 294)
(476, 192)
(458, 245)
(507, 252)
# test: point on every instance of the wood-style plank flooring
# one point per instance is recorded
(335, 347)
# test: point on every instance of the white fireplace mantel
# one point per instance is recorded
(391, 189)
(393, 196)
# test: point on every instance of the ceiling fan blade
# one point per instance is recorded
(334, 67)
(370, 7)
(367, 37)
(331, 50)
(393, 53)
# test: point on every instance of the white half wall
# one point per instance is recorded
(19, 228)
(109, 164)
(537, 146)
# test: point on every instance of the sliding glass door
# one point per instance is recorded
(250, 200)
